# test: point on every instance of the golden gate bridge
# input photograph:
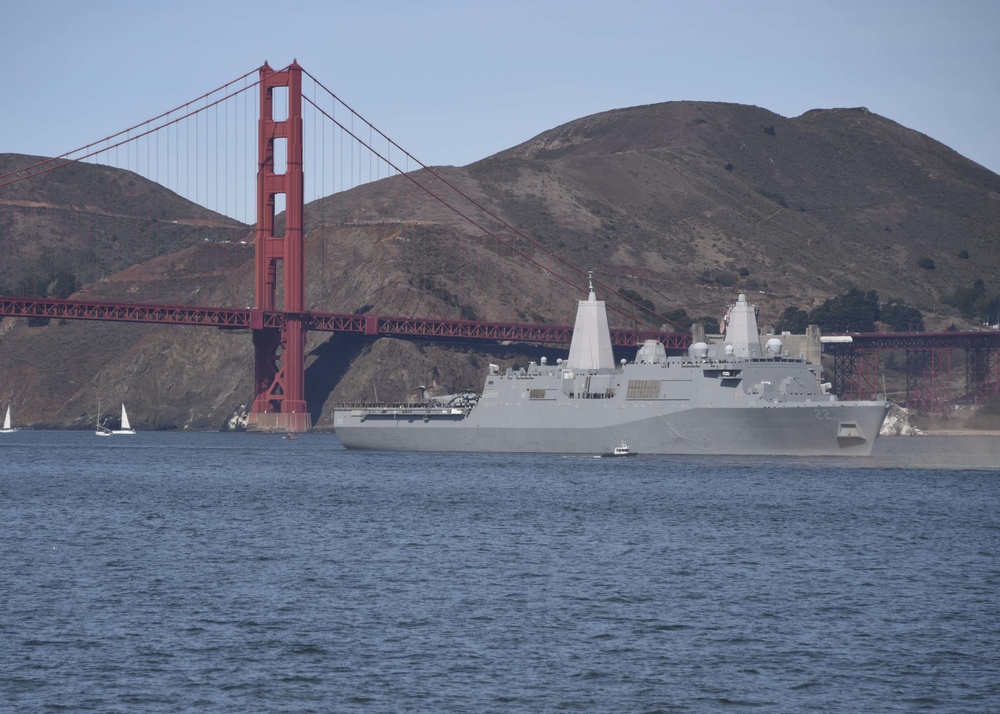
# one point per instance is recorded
(201, 150)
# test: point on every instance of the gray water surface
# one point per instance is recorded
(175, 572)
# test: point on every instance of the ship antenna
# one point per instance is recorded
(590, 280)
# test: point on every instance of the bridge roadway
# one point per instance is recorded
(372, 325)
(383, 326)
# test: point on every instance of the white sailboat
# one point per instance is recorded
(7, 428)
(101, 429)
(126, 428)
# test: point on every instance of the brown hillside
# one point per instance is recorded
(94, 221)
(667, 200)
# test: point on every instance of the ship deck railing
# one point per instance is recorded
(403, 408)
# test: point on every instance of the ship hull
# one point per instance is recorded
(825, 429)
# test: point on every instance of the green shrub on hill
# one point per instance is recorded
(976, 303)
(794, 320)
(900, 317)
(854, 311)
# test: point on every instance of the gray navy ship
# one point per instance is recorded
(732, 398)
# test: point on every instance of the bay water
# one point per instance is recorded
(221, 572)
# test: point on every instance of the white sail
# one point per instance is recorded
(7, 428)
(126, 428)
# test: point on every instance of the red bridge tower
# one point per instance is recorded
(279, 354)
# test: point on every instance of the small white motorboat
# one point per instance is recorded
(620, 450)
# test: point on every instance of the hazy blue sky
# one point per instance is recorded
(453, 82)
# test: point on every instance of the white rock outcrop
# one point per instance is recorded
(897, 423)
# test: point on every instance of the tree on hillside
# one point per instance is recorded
(794, 320)
(32, 286)
(988, 309)
(900, 317)
(854, 311)
(976, 303)
(678, 316)
(965, 298)
(711, 324)
(63, 285)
